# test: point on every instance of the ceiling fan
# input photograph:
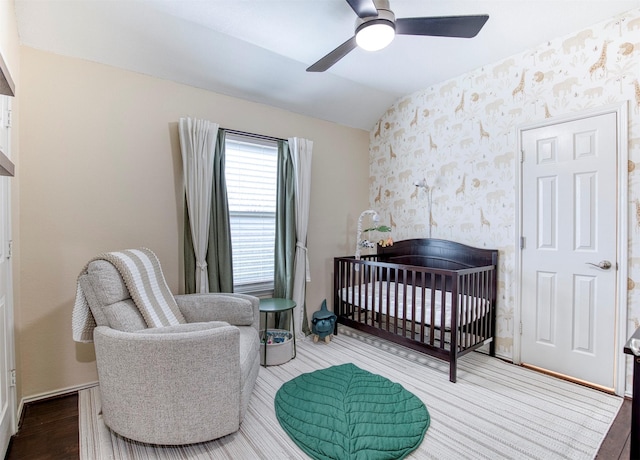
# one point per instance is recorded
(376, 27)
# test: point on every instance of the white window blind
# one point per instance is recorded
(251, 171)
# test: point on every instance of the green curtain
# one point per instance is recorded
(219, 261)
(285, 246)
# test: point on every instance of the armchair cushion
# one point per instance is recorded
(124, 316)
(183, 328)
(121, 314)
(107, 283)
(216, 307)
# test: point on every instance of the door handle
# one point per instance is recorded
(603, 264)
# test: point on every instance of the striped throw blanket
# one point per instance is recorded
(140, 269)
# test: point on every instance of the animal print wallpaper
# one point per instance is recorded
(460, 137)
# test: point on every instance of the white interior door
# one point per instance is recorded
(569, 255)
(7, 376)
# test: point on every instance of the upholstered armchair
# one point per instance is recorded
(177, 384)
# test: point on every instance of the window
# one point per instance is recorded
(251, 168)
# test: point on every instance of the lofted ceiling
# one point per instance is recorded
(259, 49)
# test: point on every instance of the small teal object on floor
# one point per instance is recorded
(323, 323)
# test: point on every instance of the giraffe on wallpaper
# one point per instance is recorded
(600, 64)
(483, 220)
(483, 133)
(460, 190)
(636, 87)
(377, 133)
(432, 146)
(519, 90)
(460, 107)
(432, 223)
(414, 122)
(379, 195)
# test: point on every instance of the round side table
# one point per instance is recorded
(277, 306)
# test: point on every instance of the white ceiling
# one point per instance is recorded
(259, 49)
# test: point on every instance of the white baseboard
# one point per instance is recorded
(50, 394)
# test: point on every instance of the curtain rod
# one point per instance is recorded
(258, 136)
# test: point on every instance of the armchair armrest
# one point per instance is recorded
(150, 378)
(235, 309)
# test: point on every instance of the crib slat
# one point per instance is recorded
(482, 305)
(443, 311)
(468, 305)
(414, 316)
(432, 321)
(392, 275)
(479, 307)
(423, 319)
(403, 302)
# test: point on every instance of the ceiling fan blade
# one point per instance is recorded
(445, 26)
(363, 8)
(334, 56)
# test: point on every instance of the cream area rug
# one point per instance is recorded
(495, 410)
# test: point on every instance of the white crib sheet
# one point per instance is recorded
(373, 297)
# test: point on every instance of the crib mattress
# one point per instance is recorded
(373, 297)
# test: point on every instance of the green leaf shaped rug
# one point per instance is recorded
(344, 412)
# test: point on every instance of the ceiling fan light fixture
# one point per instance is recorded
(375, 34)
(376, 27)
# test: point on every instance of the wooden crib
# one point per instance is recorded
(435, 296)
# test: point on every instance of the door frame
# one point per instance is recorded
(622, 211)
(6, 185)
(11, 355)
(7, 249)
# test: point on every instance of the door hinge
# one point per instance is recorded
(520, 327)
(9, 249)
(8, 119)
(12, 377)
(521, 156)
(522, 242)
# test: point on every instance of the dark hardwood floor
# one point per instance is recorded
(49, 431)
(616, 445)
